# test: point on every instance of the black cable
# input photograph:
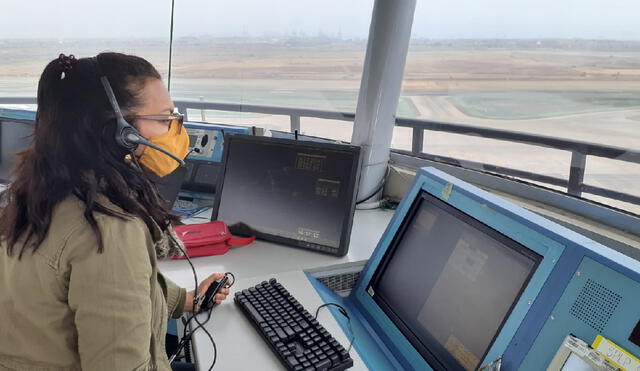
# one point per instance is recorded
(170, 46)
(201, 324)
(344, 313)
(187, 352)
(232, 277)
(186, 339)
(213, 343)
(200, 217)
(193, 316)
(195, 292)
(340, 307)
(378, 188)
(195, 295)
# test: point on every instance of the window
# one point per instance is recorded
(555, 69)
(284, 53)
(33, 34)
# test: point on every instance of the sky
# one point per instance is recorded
(434, 19)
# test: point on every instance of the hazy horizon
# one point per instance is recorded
(438, 19)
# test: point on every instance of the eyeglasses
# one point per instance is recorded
(172, 119)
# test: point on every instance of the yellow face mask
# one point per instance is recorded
(175, 141)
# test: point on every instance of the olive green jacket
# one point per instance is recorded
(68, 307)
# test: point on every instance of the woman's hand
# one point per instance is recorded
(202, 289)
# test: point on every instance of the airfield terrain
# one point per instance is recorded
(579, 91)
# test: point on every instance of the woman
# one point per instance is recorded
(82, 226)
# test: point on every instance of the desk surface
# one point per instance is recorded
(239, 345)
(262, 257)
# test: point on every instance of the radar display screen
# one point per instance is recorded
(296, 192)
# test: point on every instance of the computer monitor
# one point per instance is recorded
(14, 137)
(448, 282)
(293, 192)
(205, 154)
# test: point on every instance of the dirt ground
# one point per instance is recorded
(444, 84)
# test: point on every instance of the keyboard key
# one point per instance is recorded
(280, 333)
(335, 359)
(344, 355)
(288, 331)
(292, 361)
(253, 313)
(323, 365)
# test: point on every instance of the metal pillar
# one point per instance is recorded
(382, 76)
(576, 174)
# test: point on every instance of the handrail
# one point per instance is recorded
(587, 148)
(578, 149)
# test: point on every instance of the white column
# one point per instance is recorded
(382, 76)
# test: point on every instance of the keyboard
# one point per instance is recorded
(301, 343)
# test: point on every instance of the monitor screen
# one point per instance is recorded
(449, 282)
(14, 137)
(294, 192)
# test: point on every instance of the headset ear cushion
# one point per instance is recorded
(123, 131)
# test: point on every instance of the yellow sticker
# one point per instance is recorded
(615, 354)
(446, 191)
(460, 352)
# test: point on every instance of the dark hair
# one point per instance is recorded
(73, 152)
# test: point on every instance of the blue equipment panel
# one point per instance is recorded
(208, 139)
(17, 114)
(597, 300)
(203, 164)
(580, 287)
(508, 219)
(512, 221)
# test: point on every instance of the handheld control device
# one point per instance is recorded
(209, 297)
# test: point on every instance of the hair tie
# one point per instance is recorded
(67, 63)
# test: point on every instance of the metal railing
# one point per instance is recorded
(579, 150)
(294, 113)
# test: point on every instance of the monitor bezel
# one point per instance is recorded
(423, 196)
(343, 245)
(519, 224)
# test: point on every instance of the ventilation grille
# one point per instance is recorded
(595, 305)
(341, 283)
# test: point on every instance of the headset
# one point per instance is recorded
(126, 135)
